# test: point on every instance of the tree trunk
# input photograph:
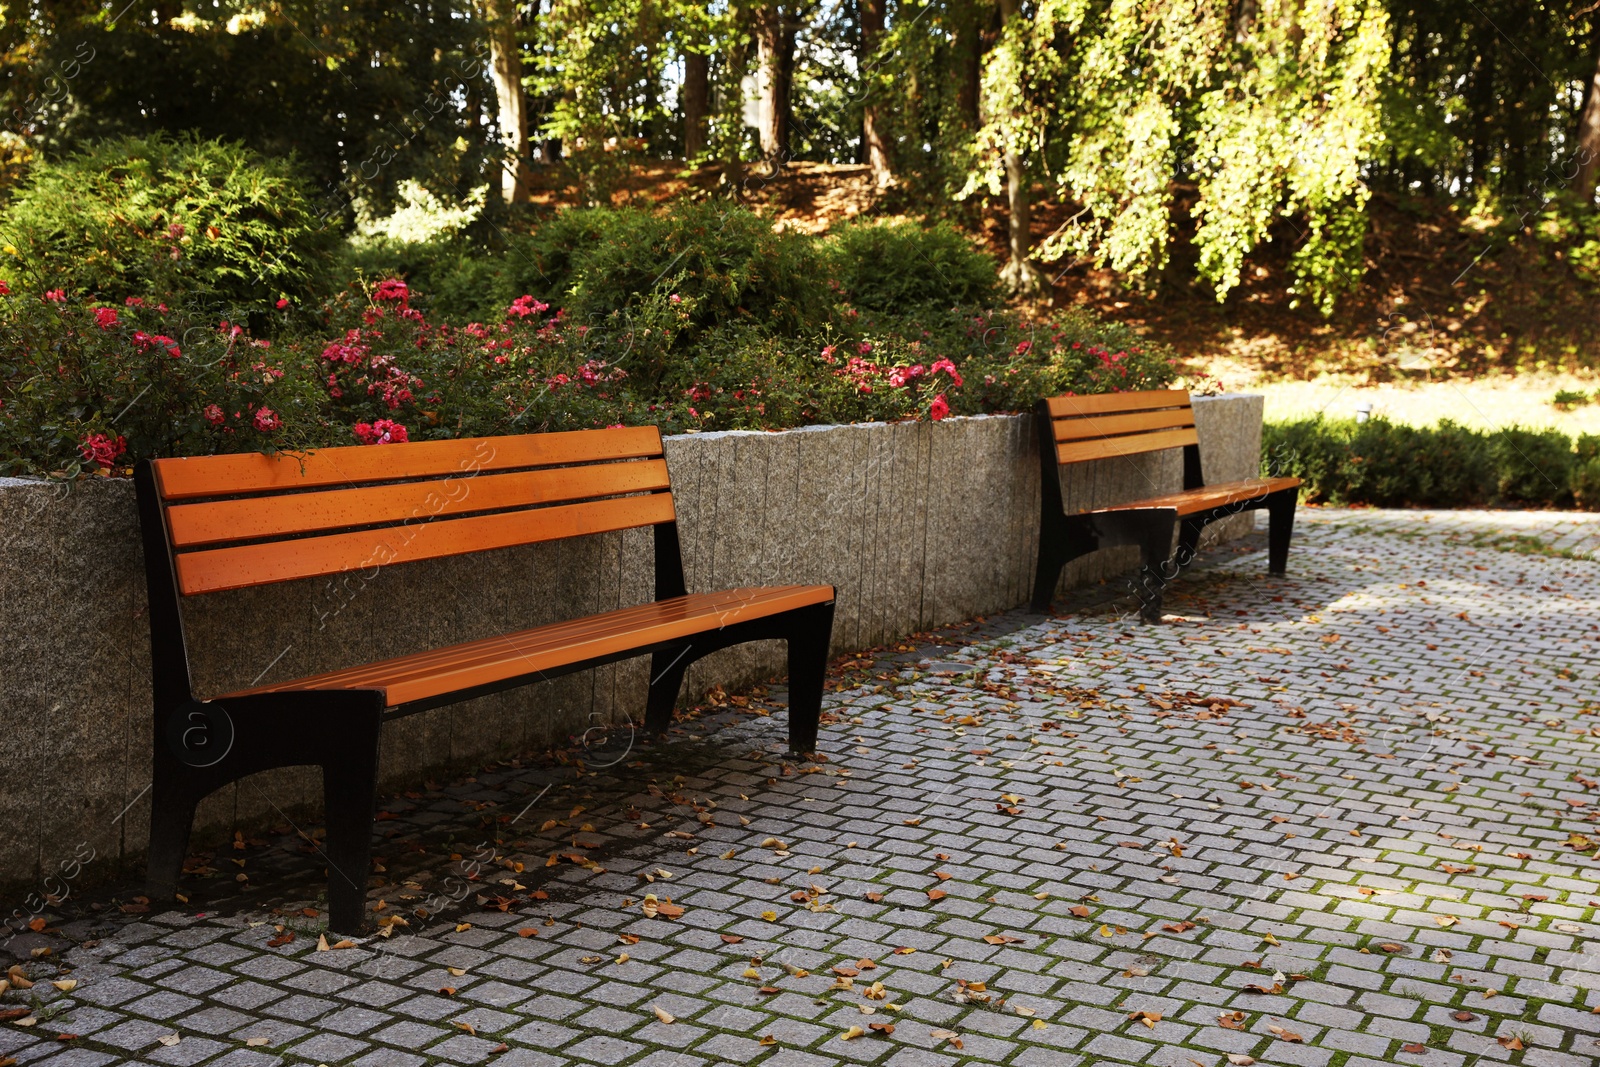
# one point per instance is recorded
(696, 102)
(1588, 139)
(969, 65)
(1019, 275)
(874, 147)
(505, 56)
(1244, 20)
(775, 60)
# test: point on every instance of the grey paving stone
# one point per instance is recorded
(1086, 761)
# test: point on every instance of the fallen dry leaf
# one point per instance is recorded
(1510, 1042)
(1285, 1035)
(663, 1014)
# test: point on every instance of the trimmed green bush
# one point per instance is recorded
(893, 266)
(159, 217)
(1389, 464)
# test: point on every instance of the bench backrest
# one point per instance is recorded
(1117, 424)
(245, 520)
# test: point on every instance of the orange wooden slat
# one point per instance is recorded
(559, 645)
(254, 472)
(1112, 425)
(1107, 403)
(1105, 447)
(249, 518)
(216, 569)
(407, 679)
(1192, 501)
(556, 633)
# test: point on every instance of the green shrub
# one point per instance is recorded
(85, 386)
(162, 217)
(1586, 472)
(892, 266)
(1533, 467)
(1388, 464)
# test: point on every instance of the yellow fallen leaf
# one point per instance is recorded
(663, 1014)
(852, 1033)
(256, 1042)
(66, 985)
(170, 1039)
(770, 916)
(1446, 920)
(456, 972)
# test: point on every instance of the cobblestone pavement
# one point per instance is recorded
(1342, 818)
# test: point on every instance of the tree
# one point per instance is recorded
(870, 15)
(775, 66)
(696, 101)
(505, 64)
(1017, 80)
(1587, 141)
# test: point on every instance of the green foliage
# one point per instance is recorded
(363, 93)
(1272, 109)
(1567, 399)
(84, 385)
(894, 266)
(162, 217)
(1388, 464)
(148, 381)
(1586, 472)
(1533, 467)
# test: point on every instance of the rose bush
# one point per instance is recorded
(90, 385)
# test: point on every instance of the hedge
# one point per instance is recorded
(1390, 464)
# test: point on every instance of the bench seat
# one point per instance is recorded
(1195, 501)
(419, 681)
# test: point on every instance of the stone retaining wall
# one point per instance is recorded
(916, 524)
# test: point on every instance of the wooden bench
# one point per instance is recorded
(1076, 429)
(230, 522)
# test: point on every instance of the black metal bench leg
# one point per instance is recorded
(172, 808)
(1188, 543)
(666, 682)
(1280, 516)
(1047, 575)
(808, 667)
(349, 791)
(1155, 545)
